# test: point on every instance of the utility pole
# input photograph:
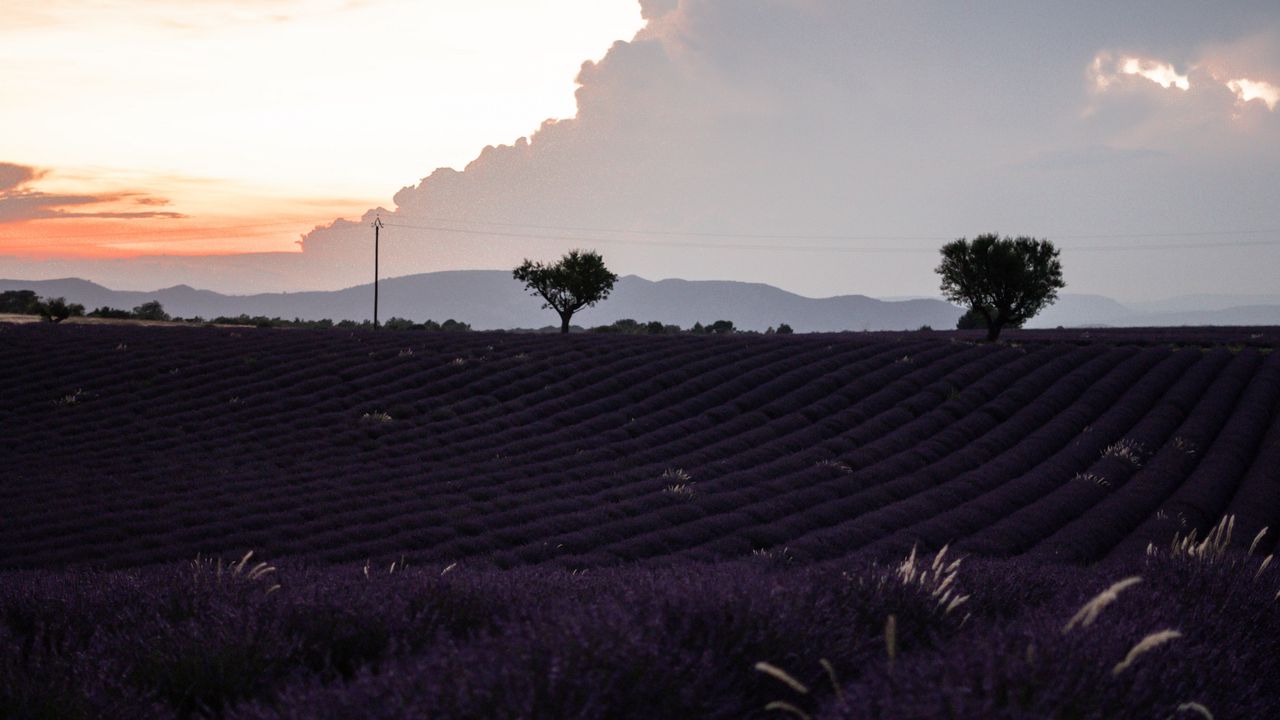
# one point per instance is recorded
(377, 225)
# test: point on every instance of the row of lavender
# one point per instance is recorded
(127, 446)
(1165, 636)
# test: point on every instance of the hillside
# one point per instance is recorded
(591, 451)
(898, 524)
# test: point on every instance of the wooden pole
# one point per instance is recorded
(377, 225)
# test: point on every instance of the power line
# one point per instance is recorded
(839, 249)
(681, 233)
(794, 236)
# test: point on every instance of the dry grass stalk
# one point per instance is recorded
(835, 464)
(936, 578)
(1149, 642)
(788, 708)
(236, 570)
(1089, 612)
(1197, 708)
(782, 676)
(1125, 449)
(1214, 545)
(831, 675)
(1257, 539)
(891, 638)
(1265, 562)
(676, 474)
(684, 490)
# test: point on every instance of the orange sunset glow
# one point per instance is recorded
(222, 126)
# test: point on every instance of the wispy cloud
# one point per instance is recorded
(21, 202)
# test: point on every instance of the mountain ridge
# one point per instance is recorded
(491, 300)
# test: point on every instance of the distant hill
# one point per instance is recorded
(490, 299)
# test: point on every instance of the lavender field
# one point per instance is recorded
(1068, 524)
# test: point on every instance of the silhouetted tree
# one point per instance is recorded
(1006, 281)
(971, 320)
(150, 310)
(19, 302)
(58, 309)
(110, 312)
(785, 329)
(579, 280)
(452, 325)
(721, 327)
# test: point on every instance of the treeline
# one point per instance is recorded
(654, 327)
(26, 302)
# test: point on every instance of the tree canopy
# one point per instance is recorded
(1004, 281)
(578, 280)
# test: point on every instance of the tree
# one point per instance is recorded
(19, 302)
(1006, 280)
(971, 320)
(150, 310)
(57, 309)
(579, 280)
(110, 312)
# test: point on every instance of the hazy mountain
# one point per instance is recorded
(490, 299)
(1201, 302)
(1072, 310)
(1087, 310)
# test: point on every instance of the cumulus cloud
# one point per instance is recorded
(1248, 90)
(871, 129)
(830, 147)
(20, 202)
(1215, 69)
(1107, 71)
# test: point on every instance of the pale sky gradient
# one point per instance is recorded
(823, 146)
(273, 114)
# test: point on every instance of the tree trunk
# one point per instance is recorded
(993, 331)
(564, 323)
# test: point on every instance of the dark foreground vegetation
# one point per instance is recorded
(855, 639)
(504, 525)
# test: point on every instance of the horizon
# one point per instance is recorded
(790, 145)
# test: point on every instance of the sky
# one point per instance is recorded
(823, 146)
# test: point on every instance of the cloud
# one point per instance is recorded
(1248, 90)
(868, 125)
(12, 176)
(736, 139)
(19, 202)
(1213, 69)
(1107, 71)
